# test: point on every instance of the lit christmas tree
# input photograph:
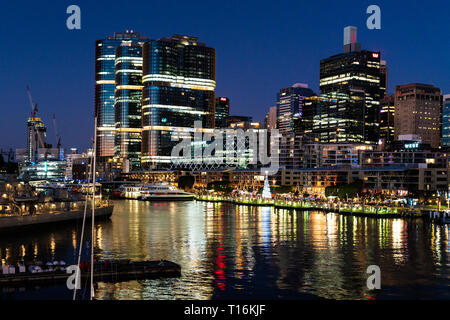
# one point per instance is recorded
(266, 194)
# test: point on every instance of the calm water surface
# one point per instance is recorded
(236, 252)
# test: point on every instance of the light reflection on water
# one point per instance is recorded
(231, 252)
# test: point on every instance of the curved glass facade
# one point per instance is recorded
(179, 82)
(105, 75)
(127, 107)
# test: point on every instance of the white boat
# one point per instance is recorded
(154, 192)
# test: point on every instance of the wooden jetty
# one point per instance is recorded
(104, 271)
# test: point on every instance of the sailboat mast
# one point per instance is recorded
(93, 208)
(88, 175)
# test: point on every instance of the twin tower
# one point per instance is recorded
(147, 90)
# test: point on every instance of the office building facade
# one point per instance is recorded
(290, 106)
(270, 121)
(446, 121)
(289, 112)
(105, 86)
(179, 78)
(387, 116)
(222, 112)
(418, 112)
(127, 106)
(352, 79)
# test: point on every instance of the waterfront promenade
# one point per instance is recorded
(356, 209)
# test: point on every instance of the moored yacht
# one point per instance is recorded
(154, 192)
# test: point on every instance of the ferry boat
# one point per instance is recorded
(154, 192)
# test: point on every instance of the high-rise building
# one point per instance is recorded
(239, 122)
(290, 106)
(387, 115)
(289, 110)
(179, 77)
(352, 79)
(222, 111)
(105, 86)
(127, 107)
(270, 121)
(418, 112)
(384, 74)
(350, 39)
(36, 135)
(446, 121)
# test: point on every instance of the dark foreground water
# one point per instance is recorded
(236, 252)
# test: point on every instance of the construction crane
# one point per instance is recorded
(33, 115)
(33, 105)
(58, 138)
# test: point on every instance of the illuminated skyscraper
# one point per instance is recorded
(128, 98)
(418, 112)
(290, 106)
(387, 116)
(446, 121)
(289, 110)
(105, 58)
(352, 80)
(179, 77)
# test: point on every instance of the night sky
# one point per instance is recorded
(261, 47)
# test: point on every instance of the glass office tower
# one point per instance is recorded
(290, 110)
(387, 116)
(127, 106)
(353, 80)
(446, 121)
(179, 77)
(105, 57)
(290, 106)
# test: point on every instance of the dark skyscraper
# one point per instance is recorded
(222, 111)
(179, 77)
(384, 74)
(353, 80)
(105, 86)
(128, 98)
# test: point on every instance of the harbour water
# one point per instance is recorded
(238, 252)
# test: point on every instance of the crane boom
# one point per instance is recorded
(33, 105)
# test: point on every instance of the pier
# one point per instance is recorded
(341, 208)
(104, 271)
(13, 222)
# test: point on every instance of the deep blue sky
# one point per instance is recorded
(261, 47)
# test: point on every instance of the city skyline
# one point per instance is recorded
(250, 84)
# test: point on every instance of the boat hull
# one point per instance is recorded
(168, 198)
